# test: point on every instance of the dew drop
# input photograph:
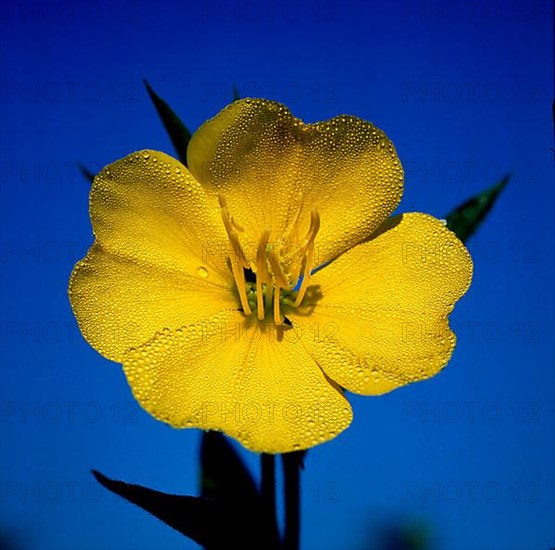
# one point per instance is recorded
(202, 272)
(146, 155)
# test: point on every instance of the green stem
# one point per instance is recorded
(268, 465)
(291, 478)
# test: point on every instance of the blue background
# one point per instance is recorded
(464, 91)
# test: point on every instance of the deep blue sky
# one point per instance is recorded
(464, 91)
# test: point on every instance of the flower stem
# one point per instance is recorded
(291, 477)
(268, 493)
(268, 490)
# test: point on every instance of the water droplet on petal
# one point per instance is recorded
(202, 272)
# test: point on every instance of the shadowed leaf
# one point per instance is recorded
(225, 478)
(87, 174)
(214, 524)
(466, 218)
(178, 132)
(405, 537)
(236, 95)
(223, 473)
(194, 517)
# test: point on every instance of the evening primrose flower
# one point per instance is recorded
(247, 292)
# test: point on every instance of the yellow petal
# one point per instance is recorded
(147, 206)
(228, 375)
(120, 303)
(381, 319)
(268, 163)
(159, 255)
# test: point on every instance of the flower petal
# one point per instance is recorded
(120, 303)
(148, 207)
(381, 321)
(159, 255)
(231, 376)
(264, 161)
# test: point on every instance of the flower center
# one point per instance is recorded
(282, 268)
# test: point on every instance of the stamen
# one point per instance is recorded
(276, 267)
(306, 276)
(269, 296)
(309, 259)
(261, 272)
(312, 229)
(277, 315)
(277, 271)
(231, 226)
(239, 276)
(236, 224)
(295, 220)
(238, 260)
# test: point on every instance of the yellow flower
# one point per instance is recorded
(244, 293)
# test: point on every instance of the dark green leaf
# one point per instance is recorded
(236, 95)
(178, 132)
(194, 517)
(466, 218)
(87, 174)
(223, 473)
(410, 536)
(225, 478)
(214, 524)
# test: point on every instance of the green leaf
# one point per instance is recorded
(87, 174)
(466, 218)
(223, 473)
(213, 523)
(194, 517)
(236, 95)
(178, 132)
(225, 478)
